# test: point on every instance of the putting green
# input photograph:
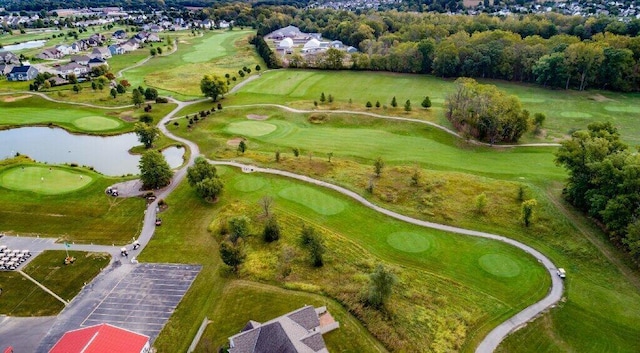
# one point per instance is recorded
(623, 108)
(43, 180)
(96, 123)
(313, 199)
(249, 184)
(576, 115)
(251, 128)
(499, 265)
(409, 242)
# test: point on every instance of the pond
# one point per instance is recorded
(26, 45)
(107, 155)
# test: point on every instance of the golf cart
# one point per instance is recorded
(562, 273)
(124, 252)
(158, 222)
(136, 245)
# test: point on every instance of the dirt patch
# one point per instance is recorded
(257, 117)
(9, 99)
(318, 118)
(235, 142)
(600, 98)
(127, 116)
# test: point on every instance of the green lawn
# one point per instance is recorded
(34, 110)
(44, 180)
(66, 281)
(179, 74)
(565, 110)
(21, 297)
(83, 215)
(477, 295)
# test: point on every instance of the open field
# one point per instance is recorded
(21, 297)
(83, 215)
(445, 196)
(66, 280)
(478, 295)
(565, 110)
(179, 74)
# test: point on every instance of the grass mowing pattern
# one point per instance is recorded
(305, 86)
(315, 200)
(43, 180)
(409, 242)
(96, 123)
(249, 184)
(500, 265)
(211, 47)
(49, 269)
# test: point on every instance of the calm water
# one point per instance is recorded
(26, 45)
(107, 155)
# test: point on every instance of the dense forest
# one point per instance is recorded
(569, 52)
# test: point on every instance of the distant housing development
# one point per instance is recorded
(290, 38)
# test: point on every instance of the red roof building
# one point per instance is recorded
(103, 338)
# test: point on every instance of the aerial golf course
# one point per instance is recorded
(452, 289)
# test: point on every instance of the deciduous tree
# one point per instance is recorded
(155, 172)
(381, 283)
(213, 86)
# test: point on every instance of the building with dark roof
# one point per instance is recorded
(22, 73)
(299, 331)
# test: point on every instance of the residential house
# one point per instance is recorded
(80, 59)
(50, 54)
(152, 37)
(76, 47)
(224, 24)
(22, 73)
(100, 52)
(73, 68)
(7, 57)
(102, 338)
(65, 49)
(155, 28)
(299, 331)
(57, 81)
(208, 24)
(95, 62)
(5, 69)
(128, 47)
(119, 34)
(116, 49)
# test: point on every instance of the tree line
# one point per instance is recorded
(604, 182)
(569, 52)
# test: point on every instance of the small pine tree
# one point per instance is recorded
(426, 102)
(415, 178)
(277, 156)
(528, 211)
(481, 202)
(322, 98)
(296, 152)
(271, 230)
(369, 105)
(377, 104)
(407, 106)
(242, 146)
(394, 102)
(330, 99)
(377, 166)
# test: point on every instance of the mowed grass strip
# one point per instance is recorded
(66, 281)
(566, 110)
(43, 180)
(83, 215)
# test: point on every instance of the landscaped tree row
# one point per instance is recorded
(552, 50)
(486, 113)
(265, 52)
(604, 181)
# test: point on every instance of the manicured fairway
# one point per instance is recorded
(21, 297)
(409, 242)
(251, 128)
(37, 111)
(317, 201)
(179, 74)
(43, 180)
(565, 110)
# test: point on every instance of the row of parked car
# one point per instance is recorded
(11, 259)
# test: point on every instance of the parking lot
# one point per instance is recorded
(144, 300)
